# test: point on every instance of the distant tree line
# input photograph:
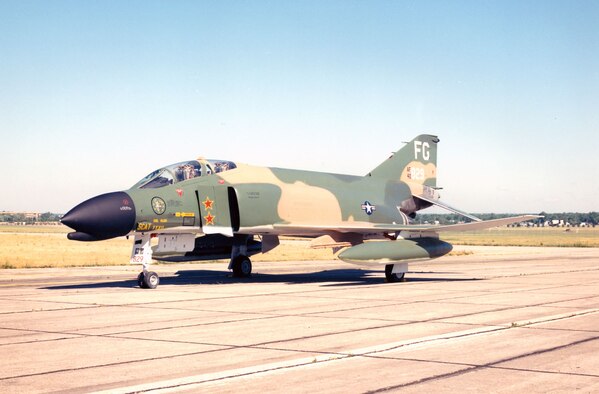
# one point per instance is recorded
(572, 218)
(21, 217)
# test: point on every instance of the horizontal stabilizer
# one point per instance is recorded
(448, 207)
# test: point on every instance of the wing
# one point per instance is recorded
(376, 228)
(483, 224)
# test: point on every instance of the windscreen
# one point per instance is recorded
(171, 174)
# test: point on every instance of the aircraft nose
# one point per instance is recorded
(102, 217)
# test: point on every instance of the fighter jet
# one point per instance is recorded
(208, 209)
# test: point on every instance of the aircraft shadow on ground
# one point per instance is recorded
(338, 277)
(126, 283)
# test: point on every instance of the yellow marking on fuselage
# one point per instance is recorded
(185, 214)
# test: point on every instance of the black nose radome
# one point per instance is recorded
(105, 216)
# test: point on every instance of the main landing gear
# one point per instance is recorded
(396, 272)
(240, 263)
(242, 267)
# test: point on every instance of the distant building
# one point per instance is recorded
(557, 223)
(33, 216)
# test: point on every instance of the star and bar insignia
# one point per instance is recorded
(368, 208)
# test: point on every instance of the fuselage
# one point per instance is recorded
(242, 199)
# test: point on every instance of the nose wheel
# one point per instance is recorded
(148, 280)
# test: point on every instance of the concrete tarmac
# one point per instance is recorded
(503, 319)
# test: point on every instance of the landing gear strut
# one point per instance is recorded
(142, 253)
(393, 277)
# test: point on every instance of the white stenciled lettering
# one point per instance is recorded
(426, 154)
(422, 148)
(417, 148)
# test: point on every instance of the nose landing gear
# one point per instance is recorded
(148, 280)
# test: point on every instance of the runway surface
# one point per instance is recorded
(499, 320)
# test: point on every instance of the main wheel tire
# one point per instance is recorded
(242, 267)
(151, 280)
(391, 277)
(140, 281)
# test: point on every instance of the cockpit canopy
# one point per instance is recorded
(183, 171)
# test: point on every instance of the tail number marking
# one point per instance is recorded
(416, 173)
(421, 148)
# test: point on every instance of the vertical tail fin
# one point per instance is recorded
(415, 163)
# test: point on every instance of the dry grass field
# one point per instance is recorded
(47, 246)
(521, 236)
(53, 249)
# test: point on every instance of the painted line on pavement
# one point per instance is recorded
(194, 382)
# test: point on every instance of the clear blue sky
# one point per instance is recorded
(96, 94)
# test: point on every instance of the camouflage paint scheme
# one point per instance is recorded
(271, 199)
(340, 210)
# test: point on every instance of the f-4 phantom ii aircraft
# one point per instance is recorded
(206, 209)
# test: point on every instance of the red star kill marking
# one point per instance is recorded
(209, 219)
(208, 203)
(179, 192)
